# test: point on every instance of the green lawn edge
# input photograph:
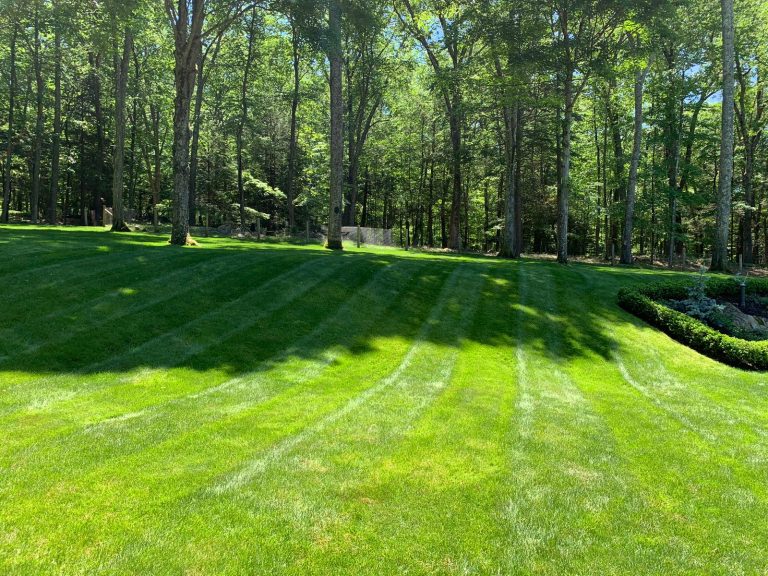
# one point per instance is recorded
(643, 302)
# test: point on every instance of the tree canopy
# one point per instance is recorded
(577, 127)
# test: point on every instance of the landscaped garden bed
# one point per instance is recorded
(709, 316)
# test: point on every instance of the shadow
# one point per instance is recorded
(90, 302)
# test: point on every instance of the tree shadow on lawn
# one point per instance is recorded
(242, 306)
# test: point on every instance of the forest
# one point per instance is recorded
(612, 129)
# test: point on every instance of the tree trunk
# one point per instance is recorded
(751, 134)
(195, 146)
(720, 250)
(187, 39)
(366, 190)
(293, 141)
(618, 164)
(518, 187)
(98, 113)
(509, 248)
(454, 230)
(563, 189)
(9, 144)
(337, 128)
(39, 123)
(56, 138)
(118, 222)
(626, 248)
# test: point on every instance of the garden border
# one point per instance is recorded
(643, 302)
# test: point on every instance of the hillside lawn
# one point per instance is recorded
(263, 408)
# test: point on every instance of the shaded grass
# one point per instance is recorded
(260, 408)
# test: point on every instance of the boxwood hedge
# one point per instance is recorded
(644, 303)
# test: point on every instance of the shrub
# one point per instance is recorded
(644, 303)
(699, 304)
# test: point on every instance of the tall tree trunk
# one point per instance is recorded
(337, 128)
(195, 146)
(618, 165)
(366, 191)
(81, 162)
(626, 248)
(10, 142)
(187, 38)
(518, 187)
(118, 222)
(99, 168)
(443, 214)
(747, 220)
(454, 228)
(293, 141)
(720, 250)
(56, 138)
(39, 122)
(154, 165)
(563, 188)
(751, 132)
(509, 248)
(430, 204)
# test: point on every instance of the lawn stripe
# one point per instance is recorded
(566, 483)
(661, 404)
(724, 431)
(152, 424)
(746, 411)
(426, 501)
(252, 469)
(96, 318)
(173, 347)
(175, 458)
(411, 386)
(192, 338)
(671, 468)
(84, 265)
(23, 292)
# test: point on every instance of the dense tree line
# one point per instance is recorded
(605, 128)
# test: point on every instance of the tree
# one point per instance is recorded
(56, 136)
(122, 66)
(446, 28)
(579, 30)
(251, 33)
(366, 56)
(720, 249)
(641, 72)
(10, 137)
(750, 130)
(187, 19)
(337, 126)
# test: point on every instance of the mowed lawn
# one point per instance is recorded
(243, 408)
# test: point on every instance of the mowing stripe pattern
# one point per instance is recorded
(257, 408)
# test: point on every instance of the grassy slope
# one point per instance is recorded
(273, 409)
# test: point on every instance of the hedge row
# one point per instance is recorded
(643, 303)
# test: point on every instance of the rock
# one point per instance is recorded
(742, 320)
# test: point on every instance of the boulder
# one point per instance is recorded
(742, 320)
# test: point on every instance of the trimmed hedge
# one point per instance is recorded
(643, 303)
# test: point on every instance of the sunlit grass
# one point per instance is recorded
(273, 409)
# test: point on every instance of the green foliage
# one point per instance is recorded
(645, 302)
(698, 304)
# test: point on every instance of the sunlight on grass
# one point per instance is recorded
(264, 408)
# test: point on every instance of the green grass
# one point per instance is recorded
(271, 409)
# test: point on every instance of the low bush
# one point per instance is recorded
(644, 302)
